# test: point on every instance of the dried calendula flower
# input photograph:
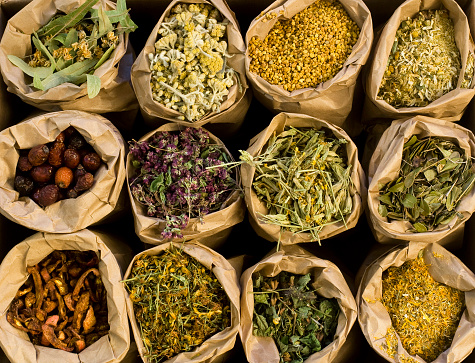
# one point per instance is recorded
(306, 50)
(189, 70)
(178, 303)
(434, 176)
(424, 313)
(424, 63)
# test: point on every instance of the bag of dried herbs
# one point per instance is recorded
(183, 303)
(191, 69)
(174, 196)
(423, 63)
(302, 180)
(62, 299)
(49, 208)
(305, 56)
(421, 181)
(300, 301)
(61, 55)
(416, 304)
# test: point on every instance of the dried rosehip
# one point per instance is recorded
(48, 195)
(38, 155)
(55, 156)
(71, 158)
(91, 162)
(63, 177)
(84, 182)
(79, 172)
(24, 164)
(35, 195)
(71, 193)
(42, 173)
(23, 185)
(61, 137)
(77, 142)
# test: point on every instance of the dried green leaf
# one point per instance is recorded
(104, 57)
(383, 211)
(399, 187)
(430, 174)
(40, 72)
(420, 227)
(93, 85)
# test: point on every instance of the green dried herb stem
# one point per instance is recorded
(424, 313)
(178, 303)
(435, 175)
(303, 179)
(424, 63)
(287, 309)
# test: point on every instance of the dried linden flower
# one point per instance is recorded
(189, 70)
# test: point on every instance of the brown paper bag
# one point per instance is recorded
(116, 93)
(216, 226)
(374, 319)
(330, 100)
(450, 106)
(384, 167)
(217, 344)
(273, 233)
(233, 109)
(326, 277)
(15, 343)
(68, 215)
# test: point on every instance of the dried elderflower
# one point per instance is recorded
(306, 50)
(424, 313)
(434, 176)
(189, 70)
(424, 63)
(288, 309)
(178, 303)
(71, 46)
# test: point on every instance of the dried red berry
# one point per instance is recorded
(63, 177)
(77, 142)
(91, 162)
(84, 182)
(71, 158)
(23, 185)
(56, 153)
(48, 195)
(38, 155)
(24, 164)
(42, 173)
(35, 195)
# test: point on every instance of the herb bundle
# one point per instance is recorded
(173, 179)
(434, 176)
(189, 73)
(178, 303)
(287, 309)
(72, 46)
(303, 180)
(424, 63)
(424, 313)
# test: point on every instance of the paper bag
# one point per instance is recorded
(444, 267)
(330, 100)
(384, 167)
(68, 215)
(256, 208)
(450, 106)
(116, 93)
(326, 279)
(16, 344)
(211, 349)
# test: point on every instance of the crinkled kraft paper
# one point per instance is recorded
(257, 208)
(331, 100)
(450, 106)
(235, 106)
(384, 167)
(68, 215)
(444, 267)
(116, 93)
(326, 279)
(16, 344)
(213, 229)
(219, 343)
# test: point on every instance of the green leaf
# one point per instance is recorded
(409, 201)
(71, 38)
(93, 85)
(409, 181)
(75, 73)
(383, 211)
(425, 208)
(260, 299)
(104, 57)
(40, 46)
(126, 22)
(105, 25)
(303, 281)
(304, 311)
(397, 188)
(37, 82)
(419, 227)
(452, 197)
(156, 183)
(261, 324)
(430, 174)
(386, 199)
(41, 72)
(60, 23)
(411, 141)
(60, 38)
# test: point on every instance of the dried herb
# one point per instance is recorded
(178, 303)
(424, 313)
(435, 175)
(172, 180)
(303, 179)
(287, 308)
(424, 63)
(63, 303)
(71, 46)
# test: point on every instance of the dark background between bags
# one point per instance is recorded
(348, 250)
